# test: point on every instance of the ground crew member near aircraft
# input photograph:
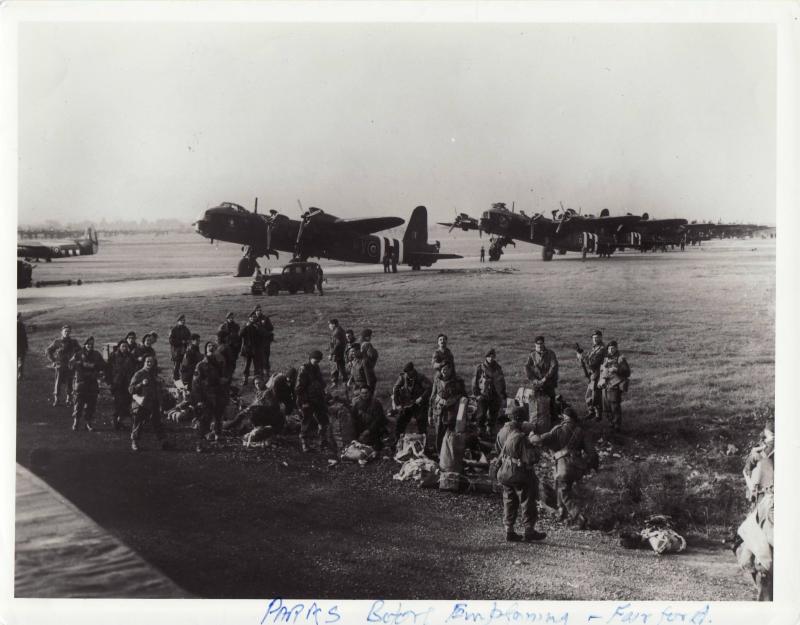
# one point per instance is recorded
(310, 395)
(146, 404)
(179, 337)
(441, 355)
(59, 353)
(208, 389)
(190, 360)
(387, 260)
(121, 367)
(369, 419)
(370, 357)
(541, 369)
(22, 347)
(483, 254)
(512, 441)
(228, 333)
(574, 455)
(489, 387)
(253, 338)
(591, 362)
(87, 365)
(411, 395)
(448, 389)
(320, 278)
(336, 354)
(614, 376)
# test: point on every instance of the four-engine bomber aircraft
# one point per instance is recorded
(320, 235)
(48, 249)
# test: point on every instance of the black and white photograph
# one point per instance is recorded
(408, 314)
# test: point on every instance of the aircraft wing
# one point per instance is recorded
(368, 225)
(436, 255)
(595, 224)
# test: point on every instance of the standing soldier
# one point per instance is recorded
(228, 333)
(59, 353)
(252, 347)
(447, 393)
(22, 347)
(614, 376)
(208, 387)
(483, 254)
(336, 355)
(179, 338)
(189, 362)
(441, 356)
(319, 277)
(411, 395)
(541, 369)
(591, 362)
(146, 350)
(512, 442)
(310, 395)
(120, 370)
(489, 387)
(88, 365)
(369, 419)
(574, 455)
(387, 260)
(359, 373)
(370, 357)
(351, 343)
(133, 346)
(146, 405)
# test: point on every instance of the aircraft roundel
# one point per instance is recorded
(372, 249)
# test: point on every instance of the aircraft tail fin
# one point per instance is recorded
(417, 229)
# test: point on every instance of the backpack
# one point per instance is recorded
(511, 471)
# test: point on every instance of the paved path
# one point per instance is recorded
(60, 552)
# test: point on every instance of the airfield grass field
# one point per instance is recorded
(697, 328)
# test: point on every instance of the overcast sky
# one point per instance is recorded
(130, 120)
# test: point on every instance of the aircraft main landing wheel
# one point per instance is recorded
(246, 267)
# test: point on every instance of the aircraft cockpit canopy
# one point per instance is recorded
(239, 208)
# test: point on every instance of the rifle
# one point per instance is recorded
(579, 350)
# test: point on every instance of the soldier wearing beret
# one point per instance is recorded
(591, 362)
(228, 334)
(121, 367)
(310, 396)
(350, 341)
(614, 375)
(146, 404)
(336, 353)
(574, 455)
(179, 337)
(448, 389)
(59, 353)
(411, 394)
(541, 369)
(210, 388)
(512, 442)
(88, 366)
(489, 387)
(191, 358)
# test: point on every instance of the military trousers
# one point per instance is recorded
(338, 369)
(566, 474)
(313, 418)
(542, 409)
(257, 361)
(177, 359)
(85, 402)
(213, 411)
(594, 399)
(612, 405)
(414, 411)
(122, 402)
(145, 414)
(63, 378)
(524, 497)
(488, 410)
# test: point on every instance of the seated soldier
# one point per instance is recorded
(369, 419)
(263, 411)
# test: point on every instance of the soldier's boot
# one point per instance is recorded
(512, 536)
(532, 535)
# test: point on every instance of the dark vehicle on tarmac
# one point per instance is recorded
(297, 276)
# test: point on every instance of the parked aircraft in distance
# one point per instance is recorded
(321, 235)
(48, 249)
(570, 231)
